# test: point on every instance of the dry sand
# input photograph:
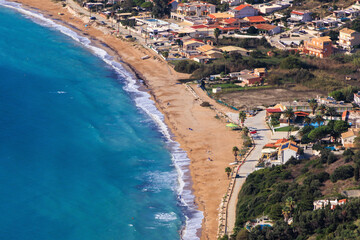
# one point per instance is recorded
(209, 134)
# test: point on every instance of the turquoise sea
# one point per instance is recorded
(83, 153)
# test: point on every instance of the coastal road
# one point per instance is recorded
(262, 137)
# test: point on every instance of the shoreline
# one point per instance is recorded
(208, 182)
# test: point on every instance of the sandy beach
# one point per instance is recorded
(208, 137)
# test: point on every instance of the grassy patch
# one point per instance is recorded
(285, 129)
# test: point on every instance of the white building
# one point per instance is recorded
(192, 45)
(298, 16)
(357, 98)
(288, 150)
(197, 9)
(245, 10)
(270, 8)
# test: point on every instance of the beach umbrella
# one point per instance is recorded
(232, 125)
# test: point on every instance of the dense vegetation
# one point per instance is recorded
(266, 192)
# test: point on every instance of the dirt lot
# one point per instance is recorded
(265, 97)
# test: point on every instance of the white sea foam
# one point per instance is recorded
(142, 101)
(166, 217)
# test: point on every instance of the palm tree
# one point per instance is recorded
(313, 105)
(286, 213)
(307, 120)
(235, 151)
(290, 203)
(242, 117)
(318, 119)
(322, 109)
(289, 114)
(228, 171)
(217, 34)
(245, 131)
(331, 111)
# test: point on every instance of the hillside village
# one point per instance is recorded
(191, 25)
(234, 46)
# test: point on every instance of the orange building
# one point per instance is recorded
(320, 47)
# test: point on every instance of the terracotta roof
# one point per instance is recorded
(230, 20)
(205, 48)
(347, 31)
(348, 134)
(344, 115)
(255, 19)
(301, 114)
(273, 110)
(266, 27)
(228, 28)
(199, 26)
(242, 7)
(280, 141)
(297, 13)
(342, 200)
(220, 15)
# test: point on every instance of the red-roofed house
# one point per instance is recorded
(271, 111)
(231, 24)
(254, 20)
(268, 29)
(298, 16)
(245, 10)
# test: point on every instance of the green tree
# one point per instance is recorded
(147, 5)
(242, 117)
(318, 133)
(356, 172)
(289, 114)
(217, 33)
(291, 62)
(161, 8)
(313, 105)
(235, 151)
(340, 126)
(252, 30)
(322, 108)
(242, 235)
(307, 120)
(331, 111)
(342, 173)
(228, 171)
(338, 95)
(318, 119)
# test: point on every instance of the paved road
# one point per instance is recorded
(261, 138)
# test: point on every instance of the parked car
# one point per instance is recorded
(92, 18)
(128, 36)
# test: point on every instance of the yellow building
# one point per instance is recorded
(348, 38)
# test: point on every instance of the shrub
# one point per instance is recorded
(342, 173)
(186, 66)
(292, 62)
(348, 152)
(205, 104)
(331, 158)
